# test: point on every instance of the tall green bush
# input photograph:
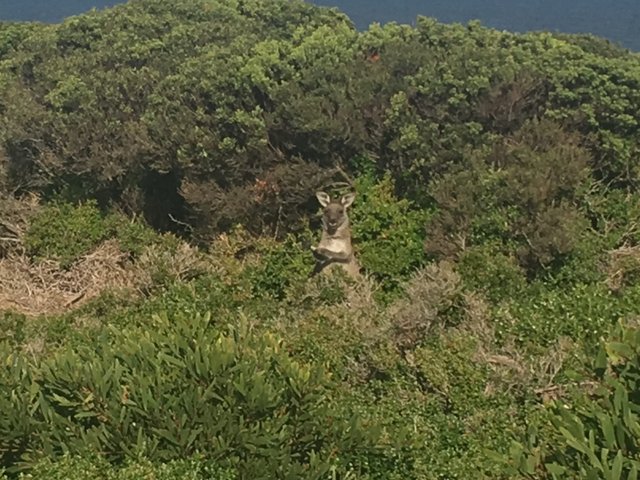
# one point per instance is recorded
(387, 231)
(216, 112)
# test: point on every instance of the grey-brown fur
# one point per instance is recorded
(335, 245)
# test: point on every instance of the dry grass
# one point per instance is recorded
(158, 265)
(43, 287)
(429, 292)
(15, 215)
(359, 294)
(35, 288)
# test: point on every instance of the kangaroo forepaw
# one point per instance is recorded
(319, 253)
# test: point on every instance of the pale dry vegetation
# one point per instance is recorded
(43, 287)
(15, 214)
(430, 291)
(159, 265)
(623, 267)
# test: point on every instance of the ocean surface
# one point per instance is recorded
(617, 20)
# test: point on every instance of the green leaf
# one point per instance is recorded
(619, 397)
(607, 430)
(171, 359)
(619, 351)
(604, 457)
(85, 415)
(600, 363)
(616, 470)
(574, 442)
(555, 470)
(592, 474)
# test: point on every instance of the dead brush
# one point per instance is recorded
(159, 265)
(623, 267)
(429, 292)
(360, 295)
(357, 339)
(15, 215)
(43, 287)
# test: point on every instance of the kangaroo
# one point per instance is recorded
(335, 245)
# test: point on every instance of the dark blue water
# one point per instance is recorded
(617, 20)
(48, 10)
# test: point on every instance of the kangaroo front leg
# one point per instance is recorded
(318, 253)
(331, 255)
(322, 254)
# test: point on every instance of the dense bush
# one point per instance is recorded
(282, 266)
(95, 467)
(525, 193)
(64, 232)
(496, 223)
(388, 231)
(598, 435)
(172, 392)
(217, 113)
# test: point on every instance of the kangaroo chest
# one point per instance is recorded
(336, 244)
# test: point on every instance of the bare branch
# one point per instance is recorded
(344, 174)
(180, 222)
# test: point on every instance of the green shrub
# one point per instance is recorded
(468, 416)
(542, 314)
(171, 389)
(134, 235)
(17, 395)
(585, 264)
(65, 232)
(595, 435)
(522, 193)
(13, 327)
(487, 269)
(282, 266)
(37, 336)
(92, 467)
(388, 232)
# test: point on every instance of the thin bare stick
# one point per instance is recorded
(180, 222)
(344, 174)
(556, 388)
(275, 234)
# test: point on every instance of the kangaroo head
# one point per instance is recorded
(334, 214)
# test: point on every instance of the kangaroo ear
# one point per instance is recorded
(323, 198)
(348, 199)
